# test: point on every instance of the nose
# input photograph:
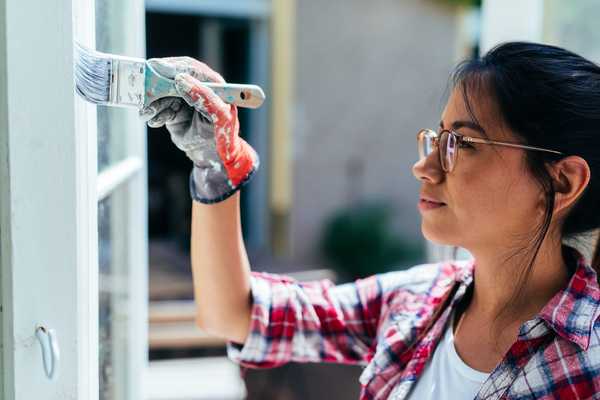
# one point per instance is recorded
(429, 169)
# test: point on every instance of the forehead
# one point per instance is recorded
(484, 111)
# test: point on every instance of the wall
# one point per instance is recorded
(368, 76)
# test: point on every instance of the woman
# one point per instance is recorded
(510, 172)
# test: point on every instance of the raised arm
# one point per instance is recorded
(220, 269)
(268, 319)
(206, 129)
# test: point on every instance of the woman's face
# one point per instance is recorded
(490, 198)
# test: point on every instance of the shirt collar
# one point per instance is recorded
(573, 310)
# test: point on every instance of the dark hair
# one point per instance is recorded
(549, 97)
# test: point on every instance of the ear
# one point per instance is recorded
(571, 176)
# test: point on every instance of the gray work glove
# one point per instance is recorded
(205, 128)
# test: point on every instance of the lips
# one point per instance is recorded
(429, 199)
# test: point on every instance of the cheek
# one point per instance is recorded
(501, 199)
(474, 196)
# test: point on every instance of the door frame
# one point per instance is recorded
(49, 193)
(48, 202)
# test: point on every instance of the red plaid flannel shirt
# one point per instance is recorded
(391, 323)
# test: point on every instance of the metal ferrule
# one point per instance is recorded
(127, 82)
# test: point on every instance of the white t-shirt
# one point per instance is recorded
(446, 376)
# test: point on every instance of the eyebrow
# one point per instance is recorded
(465, 124)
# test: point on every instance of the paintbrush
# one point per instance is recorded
(114, 80)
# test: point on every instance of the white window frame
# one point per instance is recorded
(49, 201)
(126, 181)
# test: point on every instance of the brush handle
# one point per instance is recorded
(249, 96)
(157, 86)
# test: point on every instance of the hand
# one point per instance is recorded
(205, 128)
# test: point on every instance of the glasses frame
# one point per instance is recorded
(435, 136)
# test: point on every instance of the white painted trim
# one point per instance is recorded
(220, 8)
(48, 201)
(112, 177)
(48, 204)
(135, 219)
(195, 378)
(5, 223)
(126, 183)
(86, 135)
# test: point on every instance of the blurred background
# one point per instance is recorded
(348, 85)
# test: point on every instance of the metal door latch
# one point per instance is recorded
(50, 350)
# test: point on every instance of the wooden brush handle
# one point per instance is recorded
(157, 86)
(250, 96)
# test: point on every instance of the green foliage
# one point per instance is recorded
(358, 242)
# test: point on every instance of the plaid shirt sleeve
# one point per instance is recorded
(314, 321)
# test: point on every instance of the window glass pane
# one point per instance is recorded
(113, 301)
(111, 138)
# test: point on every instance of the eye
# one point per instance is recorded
(463, 144)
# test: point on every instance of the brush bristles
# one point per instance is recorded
(92, 74)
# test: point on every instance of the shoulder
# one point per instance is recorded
(420, 279)
(570, 368)
(412, 294)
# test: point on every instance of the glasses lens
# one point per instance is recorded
(425, 143)
(448, 150)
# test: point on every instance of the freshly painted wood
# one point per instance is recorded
(129, 225)
(48, 201)
(115, 175)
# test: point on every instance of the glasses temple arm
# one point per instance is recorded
(519, 146)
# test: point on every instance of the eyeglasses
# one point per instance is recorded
(448, 142)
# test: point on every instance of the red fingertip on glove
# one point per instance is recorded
(239, 170)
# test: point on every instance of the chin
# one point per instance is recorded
(438, 236)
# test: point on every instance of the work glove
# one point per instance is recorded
(205, 128)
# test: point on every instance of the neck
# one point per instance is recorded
(497, 278)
